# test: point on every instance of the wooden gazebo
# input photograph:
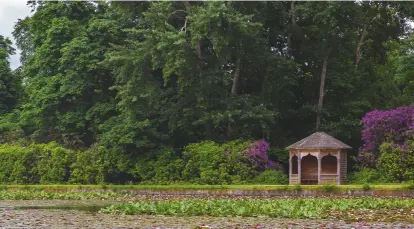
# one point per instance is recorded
(318, 159)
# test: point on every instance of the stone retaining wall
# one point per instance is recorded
(235, 192)
(275, 193)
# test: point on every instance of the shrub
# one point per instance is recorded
(44, 163)
(279, 154)
(144, 169)
(235, 162)
(212, 163)
(272, 176)
(203, 163)
(396, 163)
(395, 126)
(168, 167)
(88, 167)
(257, 154)
(161, 167)
(16, 164)
(365, 175)
(53, 163)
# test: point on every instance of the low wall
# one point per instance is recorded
(278, 193)
(240, 192)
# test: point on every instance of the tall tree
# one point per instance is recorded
(10, 84)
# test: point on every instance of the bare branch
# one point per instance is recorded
(177, 12)
(184, 28)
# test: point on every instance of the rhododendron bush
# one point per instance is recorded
(394, 126)
(257, 154)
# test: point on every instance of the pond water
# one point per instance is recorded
(85, 208)
(85, 214)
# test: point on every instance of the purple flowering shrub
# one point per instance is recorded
(395, 126)
(257, 154)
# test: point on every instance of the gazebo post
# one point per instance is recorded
(299, 168)
(319, 167)
(338, 167)
(290, 167)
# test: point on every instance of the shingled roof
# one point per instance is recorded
(319, 140)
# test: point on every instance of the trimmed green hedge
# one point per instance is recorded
(200, 163)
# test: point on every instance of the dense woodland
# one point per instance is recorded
(165, 92)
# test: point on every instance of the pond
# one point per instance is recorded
(85, 208)
(85, 214)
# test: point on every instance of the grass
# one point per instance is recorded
(214, 187)
(330, 187)
(281, 208)
(367, 187)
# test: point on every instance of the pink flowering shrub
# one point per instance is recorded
(257, 154)
(395, 126)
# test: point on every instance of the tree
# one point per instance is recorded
(10, 83)
(136, 77)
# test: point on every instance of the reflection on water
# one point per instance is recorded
(86, 208)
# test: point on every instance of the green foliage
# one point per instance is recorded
(162, 168)
(211, 163)
(168, 167)
(16, 164)
(145, 80)
(330, 188)
(52, 163)
(396, 164)
(10, 83)
(297, 187)
(203, 163)
(44, 163)
(365, 175)
(280, 208)
(410, 185)
(366, 187)
(280, 155)
(88, 167)
(271, 176)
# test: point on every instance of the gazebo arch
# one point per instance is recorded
(294, 164)
(320, 158)
(309, 173)
(329, 164)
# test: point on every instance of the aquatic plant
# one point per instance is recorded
(281, 208)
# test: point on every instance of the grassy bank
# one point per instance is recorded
(282, 208)
(218, 187)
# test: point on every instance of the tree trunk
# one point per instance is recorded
(236, 78)
(289, 41)
(234, 88)
(358, 49)
(208, 125)
(321, 91)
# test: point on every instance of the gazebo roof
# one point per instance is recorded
(319, 140)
